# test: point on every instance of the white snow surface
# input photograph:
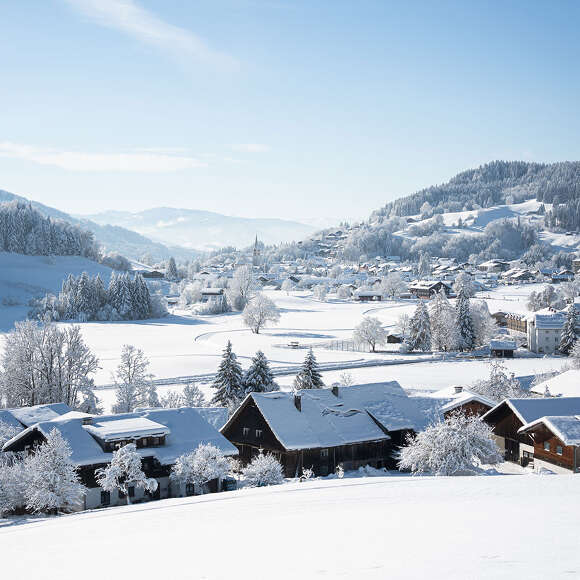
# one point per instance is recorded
(566, 384)
(367, 528)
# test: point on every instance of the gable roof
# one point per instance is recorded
(328, 420)
(185, 430)
(566, 384)
(565, 427)
(26, 416)
(528, 410)
(464, 398)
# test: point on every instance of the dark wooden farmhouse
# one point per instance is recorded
(428, 288)
(502, 348)
(556, 443)
(508, 417)
(322, 428)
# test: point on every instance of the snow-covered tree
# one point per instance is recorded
(575, 354)
(484, 325)
(344, 292)
(7, 431)
(464, 322)
(200, 467)
(259, 310)
(443, 327)
(228, 382)
(263, 470)
(392, 285)
(42, 363)
(192, 396)
(125, 472)
(320, 291)
(242, 287)
(171, 269)
(13, 485)
(132, 380)
(309, 376)
(568, 336)
(259, 378)
(403, 324)
(287, 286)
(424, 266)
(370, 331)
(464, 283)
(52, 480)
(420, 329)
(499, 385)
(456, 446)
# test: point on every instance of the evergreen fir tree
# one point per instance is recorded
(85, 298)
(442, 319)
(100, 292)
(464, 321)
(259, 378)
(171, 271)
(420, 329)
(309, 376)
(125, 308)
(228, 382)
(192, 396)
(568, 337)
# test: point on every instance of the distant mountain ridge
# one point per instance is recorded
(112, 238)
(203, 230)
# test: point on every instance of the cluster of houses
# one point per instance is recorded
(318, 429)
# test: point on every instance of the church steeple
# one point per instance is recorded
(256, 253)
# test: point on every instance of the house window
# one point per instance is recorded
(105, 498)
(131, 491)
(155, 441)
(144, 442)
(546, 446)
(189, 489)
(258, 433)
(245, 431)
(559, 449)
(324, 453)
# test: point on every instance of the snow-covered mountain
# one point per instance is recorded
(111, 237)
(203, 230)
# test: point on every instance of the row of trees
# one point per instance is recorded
(86, 298)
(24, 230)
(42, 363)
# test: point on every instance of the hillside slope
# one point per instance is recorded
(387, 527)
(117, 239)
(203, 230)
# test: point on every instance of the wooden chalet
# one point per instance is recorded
(463, 401)
(428, 288)
(323, 428)
(153, 274)
(508, 417)
(517, 322)
(160, 435)
(556, 443)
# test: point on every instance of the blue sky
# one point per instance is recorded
(312, 110)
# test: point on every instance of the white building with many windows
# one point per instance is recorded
(545, 330)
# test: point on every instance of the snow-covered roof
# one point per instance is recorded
(215, 416)
(426, 284)
(328, 420)
(30, 415)
(466, 397)
(496, 344)
(185, 430)
(121, 429)
(565, 427)
(548, 319)
(566, 384)
(528, 410)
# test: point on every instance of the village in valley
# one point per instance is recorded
(289, 290)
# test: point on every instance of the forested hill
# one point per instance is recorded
(497, 183)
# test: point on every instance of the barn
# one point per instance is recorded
(323, 428)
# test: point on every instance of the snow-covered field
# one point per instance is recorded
(385, 527)
(183, 347)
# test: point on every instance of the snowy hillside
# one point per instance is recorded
(111, 238)
(203, 229)
(25, 277)
(352, 528)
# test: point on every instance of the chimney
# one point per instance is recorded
(298, 401)
(458, 389)
(335, 390)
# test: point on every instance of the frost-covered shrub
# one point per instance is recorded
(263, 470)
(13, 483)
(455, 446)
(158, 306)
(499, 385)
(200, 467)
(116, 262)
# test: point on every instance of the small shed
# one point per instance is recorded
(502, 348)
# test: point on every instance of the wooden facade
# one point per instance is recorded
(250, 433)
(475, 408)
(505, 424)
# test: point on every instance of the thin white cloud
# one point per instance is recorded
(80, 161)
(129, 17)
(251, 148)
